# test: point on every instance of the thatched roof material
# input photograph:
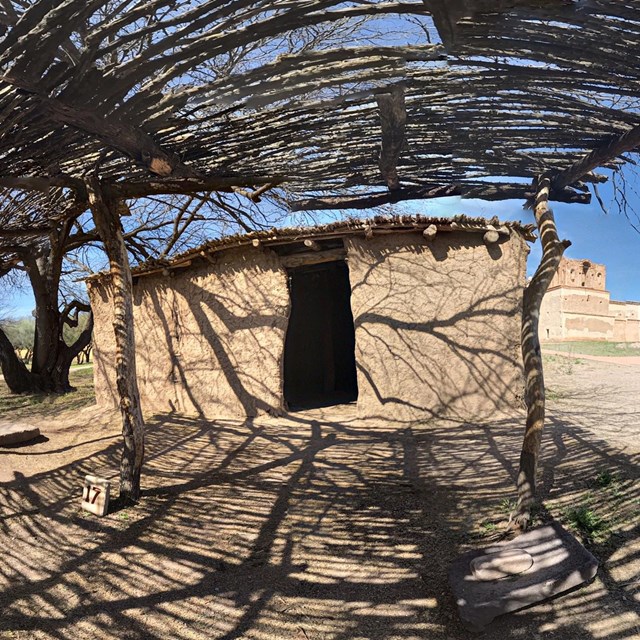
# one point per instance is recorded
(488, 97)
(362, 227)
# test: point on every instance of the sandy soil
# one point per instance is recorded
(316, 526)
(620, 360)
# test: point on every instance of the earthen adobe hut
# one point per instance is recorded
(411, 317)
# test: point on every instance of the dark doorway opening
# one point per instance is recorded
(319, 352)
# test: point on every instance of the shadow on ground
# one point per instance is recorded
(304, 528)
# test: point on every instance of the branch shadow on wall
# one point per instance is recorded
(434, 343)
(225, 373)
(456, 357)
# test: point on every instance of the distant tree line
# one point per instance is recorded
(21, 332)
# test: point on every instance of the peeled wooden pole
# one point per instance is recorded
(105, 216)
(552, 250)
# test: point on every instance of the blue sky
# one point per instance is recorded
(17, 305)
(605, 238)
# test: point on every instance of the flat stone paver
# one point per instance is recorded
(560, 563)
(12, 433)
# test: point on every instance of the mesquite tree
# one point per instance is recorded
(42, 262)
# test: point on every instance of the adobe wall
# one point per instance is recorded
(209, 340)
(579, 273)
(437, 330)
(551, 326)
(588, 327)
(437, 324)
(578, 307)
(627, 321)
(575, 314)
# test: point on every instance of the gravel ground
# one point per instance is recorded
(315, 526)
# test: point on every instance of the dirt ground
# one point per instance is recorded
(316, 526)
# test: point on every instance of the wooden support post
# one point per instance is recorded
(312, 257)
(552, 250)
(105, 216)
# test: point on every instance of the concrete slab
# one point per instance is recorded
(559, 563)
(12, 433)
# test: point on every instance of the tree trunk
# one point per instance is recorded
(66, 354)
(45, 283)
(16, 374)
(52, 357)
(54, 378)
(108, 226)
(552, 250)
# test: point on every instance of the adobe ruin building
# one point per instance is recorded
(577, 306)
(412, 317)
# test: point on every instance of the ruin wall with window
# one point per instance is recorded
(577, 306)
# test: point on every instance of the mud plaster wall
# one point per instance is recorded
(627, 321)
(626, 330)
(569, 313)
(551, 322)
(589, 303)
(580, 273)
(209, 340)
(585, 327)
(437, 324)
(575, 314)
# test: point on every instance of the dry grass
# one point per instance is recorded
(29, 406)
(595, 348)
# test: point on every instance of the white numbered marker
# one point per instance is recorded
(95, 495)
